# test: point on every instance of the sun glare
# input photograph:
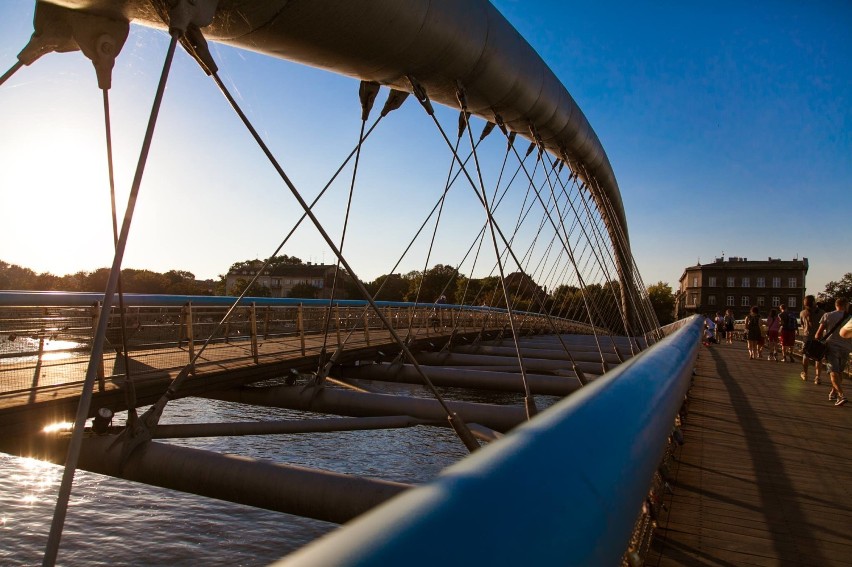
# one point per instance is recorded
(61, 426)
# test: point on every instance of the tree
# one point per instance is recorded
(256, 290)
(663, 301)
(833, 290)
(303, 291)
(438, 280)
(389, 287)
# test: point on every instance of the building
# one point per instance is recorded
(738, 284)
(281, 279)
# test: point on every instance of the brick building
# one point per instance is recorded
(738, 284)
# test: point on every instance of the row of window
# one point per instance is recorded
(745, 300)
(746, 281)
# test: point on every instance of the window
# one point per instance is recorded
(761, 301)
(745, 301)
(711, 299)
(730, 301)
(712, 281)
(693, 299)
(791, 301)
(730, 281)
(761, 282)
(746, 282)
(776, 301)
(694, 282)
(776, 282)
(791, 282)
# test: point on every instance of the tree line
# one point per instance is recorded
(173, 282)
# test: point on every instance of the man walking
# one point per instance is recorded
(789, 324)
(837, 348)
(810, 317)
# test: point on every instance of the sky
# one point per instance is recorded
(728, 126)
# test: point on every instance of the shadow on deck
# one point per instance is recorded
(765, 472)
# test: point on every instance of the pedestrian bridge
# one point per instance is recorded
(549, 365)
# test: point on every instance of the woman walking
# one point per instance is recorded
(754, 335)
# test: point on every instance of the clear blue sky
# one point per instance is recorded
(729, 127)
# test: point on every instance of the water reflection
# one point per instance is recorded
(107, 514)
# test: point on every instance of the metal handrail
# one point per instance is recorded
(564, 488)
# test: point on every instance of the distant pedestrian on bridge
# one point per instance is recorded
(810, 317)
(773, 328)
(720, 327)
(838, 347)
(753, 333)
(729, 326)
(789, 326)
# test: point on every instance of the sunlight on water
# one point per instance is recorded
(61, 426)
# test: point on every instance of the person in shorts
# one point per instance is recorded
(729, 326)
(789, 326)
(838, 347)
(810, 317)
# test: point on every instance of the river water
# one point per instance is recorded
(117, 522)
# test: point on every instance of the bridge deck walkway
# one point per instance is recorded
(765, 474)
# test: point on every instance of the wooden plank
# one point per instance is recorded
(763, 476)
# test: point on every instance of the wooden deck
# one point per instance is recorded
(765, 474)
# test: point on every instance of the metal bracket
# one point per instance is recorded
(186, 14)
(367, 92)
(394, 101)
(62, 30)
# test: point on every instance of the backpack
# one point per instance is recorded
(790, 323)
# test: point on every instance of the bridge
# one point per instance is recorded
(558, 378)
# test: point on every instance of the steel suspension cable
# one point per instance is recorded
(601, 263)
(455, 420)
(11, 71)
(75, 443)
(366, 105)
(420, 94)
(129, 386)
(529, 401)
(571, 256)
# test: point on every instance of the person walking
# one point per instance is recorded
(789, 325)
(810, 317)
(720, 327)
(729, 326)
(773, 327)
(753, 333)
(838, 348)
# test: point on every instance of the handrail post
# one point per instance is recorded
(367, 327)
(300, 324)
(253, 330)
(190, 335)
(266, 322)
(337, 325)
(96, 314)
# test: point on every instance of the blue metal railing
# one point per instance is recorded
(565, 488)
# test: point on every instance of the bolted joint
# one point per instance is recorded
(196, 45)
(420, 94)
(499, 121)
(61, 30)
(367, 92)
(461, 96)
(464, 118)
(183, 14)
